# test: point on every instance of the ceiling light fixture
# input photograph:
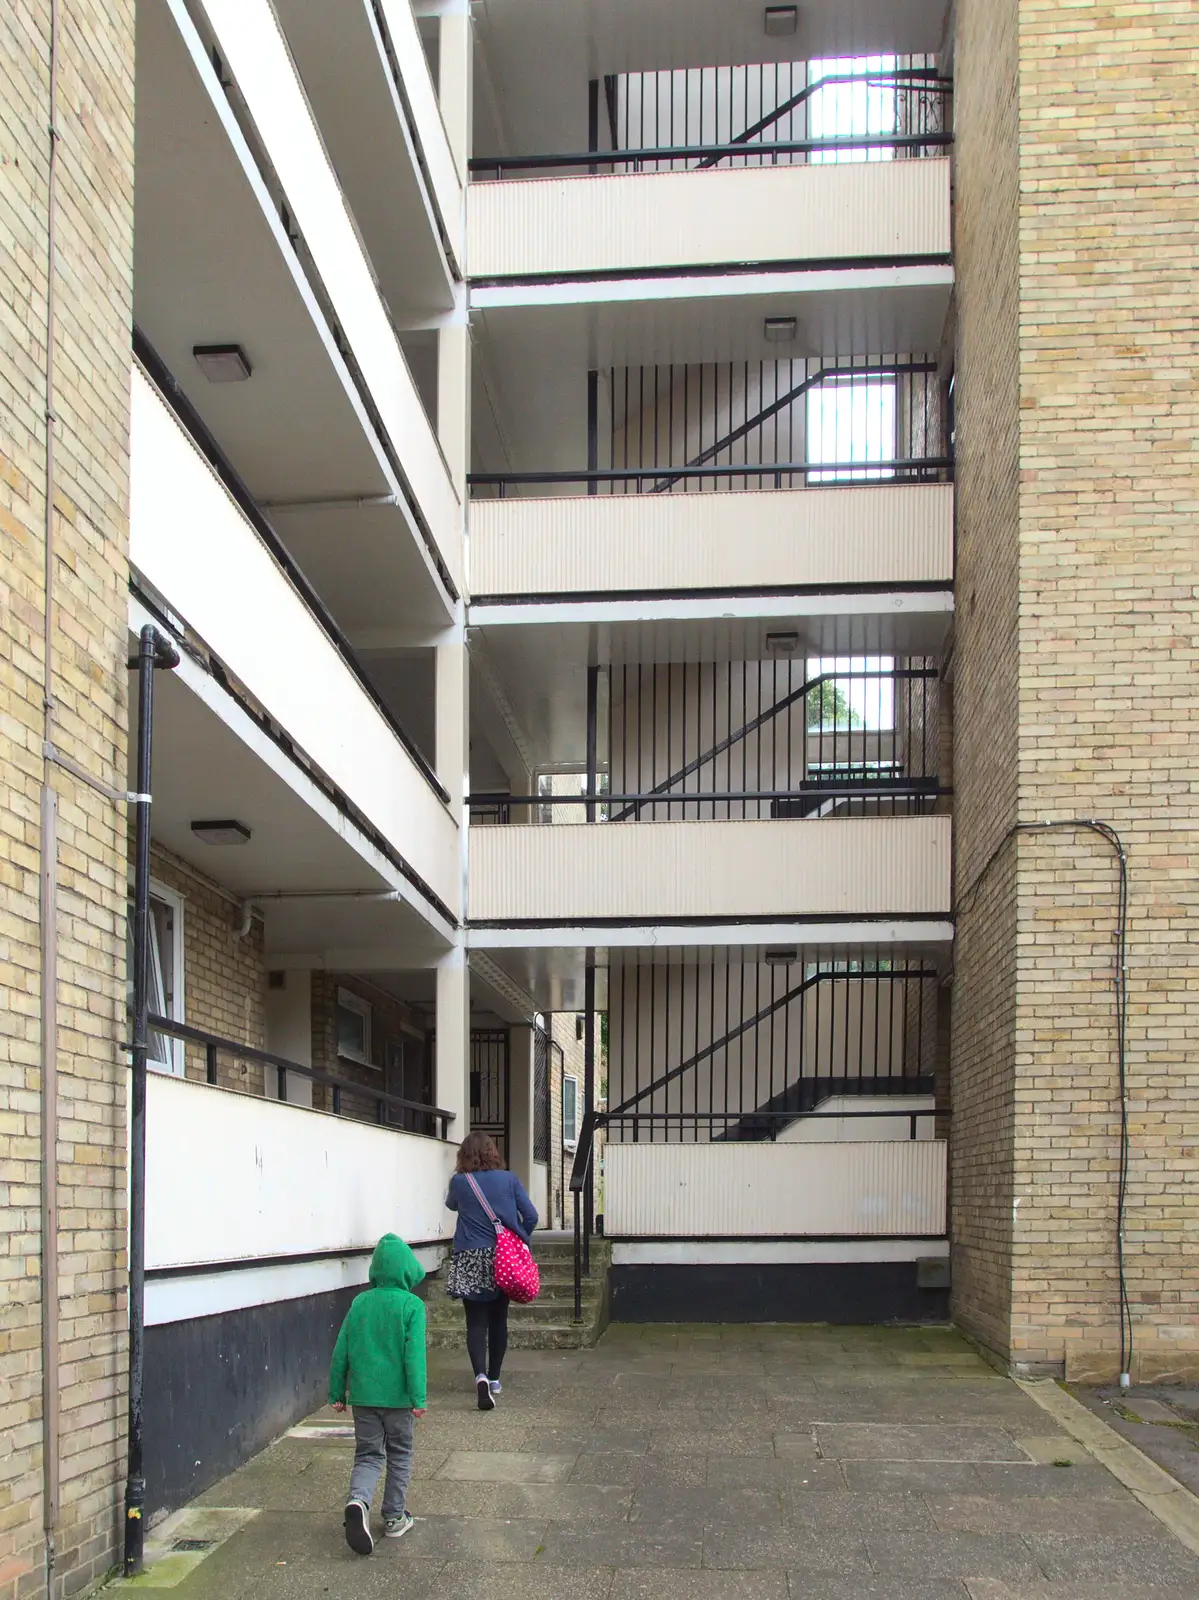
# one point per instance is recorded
(779, 330)
(227, 830)
(781, 20)
(781, 958)
(222, 363)
(782, 644)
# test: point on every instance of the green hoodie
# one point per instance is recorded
(379, 1358)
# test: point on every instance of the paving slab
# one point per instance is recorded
(1140, 1560)
(829, 1586)
(471, 1580)
(952, 1555)
(666, 1583)
(499, 1466)
(915, 1442)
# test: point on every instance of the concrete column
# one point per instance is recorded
(452, 1054)
(453, 397)
(289, 1033)
(520, 1105)
(451, 695)
(455, 67)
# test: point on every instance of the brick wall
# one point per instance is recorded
(1109, 577)
(94, 217)
(389, 1019)
(985, 692)
(1098, 665)
(224, 986)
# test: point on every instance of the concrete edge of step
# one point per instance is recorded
(1170, 1501)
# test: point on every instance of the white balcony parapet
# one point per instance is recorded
(855, 211)
(233, 1178)
(657, 872)
(742, 1190)
(667, 544)
(258, 58)
(422, 100)
(194, 546)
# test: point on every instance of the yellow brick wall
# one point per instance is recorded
(1100, 502)
(94, 272)
(1109, 580)
(984, 662)
(224, 987)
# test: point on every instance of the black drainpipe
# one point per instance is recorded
(154, 650)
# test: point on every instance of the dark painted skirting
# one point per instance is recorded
(219, 1389)
(848, 1292)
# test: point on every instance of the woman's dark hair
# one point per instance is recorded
(477, 1153)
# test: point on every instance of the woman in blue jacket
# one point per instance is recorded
(472, 1264)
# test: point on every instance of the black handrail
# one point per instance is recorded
(580, 1176)
(593, 159)
(744, 469)
(194, 426)
(898, 788)
(213, 1044)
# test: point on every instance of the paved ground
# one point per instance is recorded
(706, 1464)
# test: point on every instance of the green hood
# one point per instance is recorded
(393, 1266)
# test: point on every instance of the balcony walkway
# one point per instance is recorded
(702, 1463)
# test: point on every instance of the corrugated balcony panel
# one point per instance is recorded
(194, 546)
(659, 872)
(869, 211)
(865, 1190)
(672, 543)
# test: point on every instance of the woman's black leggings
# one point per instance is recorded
(487, 1334)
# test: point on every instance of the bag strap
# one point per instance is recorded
(482, 1199)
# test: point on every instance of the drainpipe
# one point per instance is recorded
(153, 651)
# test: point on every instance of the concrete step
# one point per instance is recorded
(548, 1311)
(540, 1336)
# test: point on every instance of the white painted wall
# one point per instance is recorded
(190, 540)
(747, 1190)
(540, 1193)
(231, 1177)
(289, 1033)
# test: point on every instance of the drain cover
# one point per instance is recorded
(193, 1544)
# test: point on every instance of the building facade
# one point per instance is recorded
(759, 435)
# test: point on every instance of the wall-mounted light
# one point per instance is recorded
(779, 330)
(781, 958)
(782, 644)
(781, 20)
(222, 363)
(225, 831)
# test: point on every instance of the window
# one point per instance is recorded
(570, 1112)
(353, 1027)
(166, 998)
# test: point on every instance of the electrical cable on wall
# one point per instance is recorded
(1105, 831)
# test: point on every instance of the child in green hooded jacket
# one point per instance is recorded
(379, 1367)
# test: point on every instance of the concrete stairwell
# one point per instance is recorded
(547, 1324)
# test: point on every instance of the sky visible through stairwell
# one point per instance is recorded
(853, 420)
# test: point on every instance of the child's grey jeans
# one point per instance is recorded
(381, 1438)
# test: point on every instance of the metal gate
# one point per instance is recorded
(490, 1085)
